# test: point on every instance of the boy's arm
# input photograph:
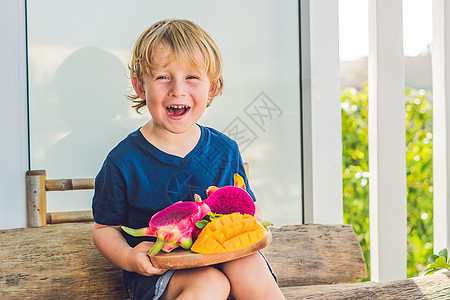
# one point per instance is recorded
(110, 242)
(258, 213)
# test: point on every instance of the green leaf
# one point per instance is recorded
(214, 216)
(206, 219)
(432, 258)
(266, 223)
(429, 266)
(201, 224)
(156, 247)
(441, 262)
(444, 253)
(135, 232)
(211, 216)
(431, 271)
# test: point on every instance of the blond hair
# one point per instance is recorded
(187, 41)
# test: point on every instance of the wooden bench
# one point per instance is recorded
(311, 261)
(60, 261)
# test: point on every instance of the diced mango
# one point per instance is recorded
(244, 238)
(228, 246)
(226, 220)
(237, 243)
(229, 233)
(215, 225)
(247, 224)
(255, 236)
(219, 236)
(236, 218)
(211, 244)
(220, 249)
(237, 227)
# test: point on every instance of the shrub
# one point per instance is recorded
(419, 168)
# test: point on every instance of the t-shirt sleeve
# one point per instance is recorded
(109, 203)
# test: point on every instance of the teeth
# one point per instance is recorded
(177, 106)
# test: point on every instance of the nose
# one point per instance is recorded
(177, 88)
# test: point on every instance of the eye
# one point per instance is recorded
(162, 77)
(192, 77)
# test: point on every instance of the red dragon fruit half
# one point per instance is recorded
(230, 199)
(173, 226)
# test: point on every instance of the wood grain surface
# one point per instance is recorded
(430, 287)
(61, 262)
(315, 254)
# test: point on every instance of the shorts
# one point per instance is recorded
(146, 287)
(141, 287)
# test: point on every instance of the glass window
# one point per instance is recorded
(78, 56)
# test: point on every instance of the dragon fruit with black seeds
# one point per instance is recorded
(173, 226)
(230, 199)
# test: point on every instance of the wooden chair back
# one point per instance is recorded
(37, 186)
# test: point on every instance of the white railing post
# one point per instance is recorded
(321, 112)
(13, 114)
(441, 124)
(387, 161)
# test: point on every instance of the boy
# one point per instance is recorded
(176, 72)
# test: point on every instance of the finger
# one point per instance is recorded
(150, 268)
(153, 271)
(145, 246)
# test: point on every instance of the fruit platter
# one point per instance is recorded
(184, 259)
(198, 233)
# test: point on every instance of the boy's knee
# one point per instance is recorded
(204, 283)
(214, 281)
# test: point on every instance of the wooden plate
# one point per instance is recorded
(184, 259)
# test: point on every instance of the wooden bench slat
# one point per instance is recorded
(436, 286)
(315, 254)
(37, 185)
(58, 260)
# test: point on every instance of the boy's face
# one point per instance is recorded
(176, 93)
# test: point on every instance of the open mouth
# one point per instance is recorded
(177, 110)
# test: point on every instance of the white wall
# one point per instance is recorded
(13, 114)
(441, 125)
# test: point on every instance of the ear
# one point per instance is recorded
(138, 87)
(212, 91)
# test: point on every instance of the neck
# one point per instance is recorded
(179, 144)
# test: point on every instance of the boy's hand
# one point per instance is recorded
(139, 261)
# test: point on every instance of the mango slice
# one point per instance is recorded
(229, 233)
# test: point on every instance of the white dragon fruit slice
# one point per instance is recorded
(173, 226)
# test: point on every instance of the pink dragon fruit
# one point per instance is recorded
(230, 199)
(173, 226)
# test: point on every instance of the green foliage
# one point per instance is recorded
(355, 165)
(419, 171)
(418, 111)
(438, 262)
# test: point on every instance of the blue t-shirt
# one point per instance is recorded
(137, 179)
